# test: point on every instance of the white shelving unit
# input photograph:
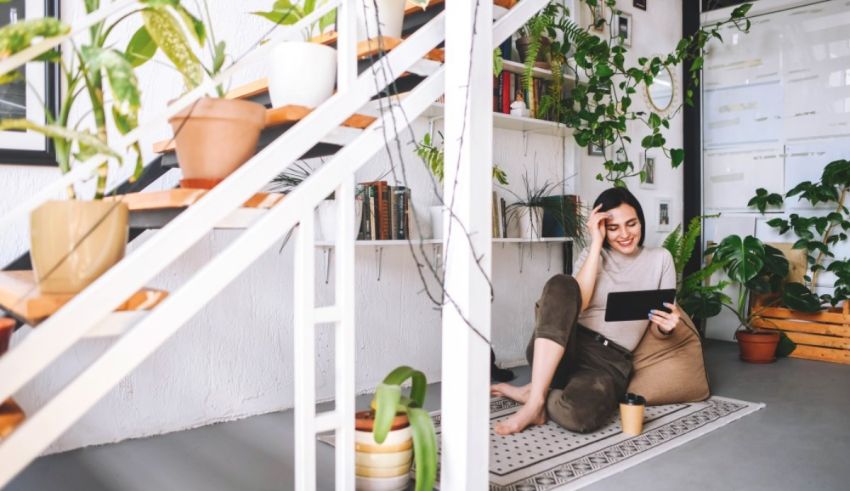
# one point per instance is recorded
(416, 242)
(516, 123)
(537, 72)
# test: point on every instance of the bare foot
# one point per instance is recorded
(512, 392)
(532, 413)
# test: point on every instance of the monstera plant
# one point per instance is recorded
(755, 268)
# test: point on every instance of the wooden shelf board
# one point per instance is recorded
(251, 89)
(181, 198)
(19, 294)
(11, 416)
(516, 123)
(537, 72)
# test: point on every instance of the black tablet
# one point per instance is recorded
(635, 305)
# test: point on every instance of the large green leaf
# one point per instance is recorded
(419, 382)
(742, 259)
(785, 346)
(141, 47)
(168, 35)
(797, 297)
(387, 398)
(775, 262)
(424, 448)
(20, 35)
(126, 97)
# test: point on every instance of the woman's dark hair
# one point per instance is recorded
(614, 197)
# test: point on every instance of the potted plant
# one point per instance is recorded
(289, 82)
(816, 237)
(401, 422)
(756, 268)
(526, 214)
(213, 135)
(433, 156)
(75, 241)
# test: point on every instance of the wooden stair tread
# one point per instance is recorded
(181, 198)
(281, 116)
(20, 295)
(11, 416)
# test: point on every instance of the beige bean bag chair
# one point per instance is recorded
(671, 369)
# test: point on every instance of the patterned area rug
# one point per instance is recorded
(549, 457)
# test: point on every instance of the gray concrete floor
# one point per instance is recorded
(800, 441)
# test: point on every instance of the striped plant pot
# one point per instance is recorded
(385, 466)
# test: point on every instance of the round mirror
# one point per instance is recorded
(660, 92)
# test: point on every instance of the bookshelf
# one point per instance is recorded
(516, 123)
(537, 72)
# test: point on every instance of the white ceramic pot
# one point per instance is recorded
(530, 222)
(397, 483)
(437, 213)
(326, 214)
(302, 74)
(389, 17)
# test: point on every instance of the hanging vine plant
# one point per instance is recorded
(599, 107)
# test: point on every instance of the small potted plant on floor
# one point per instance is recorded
(213, 135)
(74, 241)
(386, 434)
(755, 268)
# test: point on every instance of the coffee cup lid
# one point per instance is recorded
(633, 399)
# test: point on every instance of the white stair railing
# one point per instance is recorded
(70, 323)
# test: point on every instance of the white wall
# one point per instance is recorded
(233, 359)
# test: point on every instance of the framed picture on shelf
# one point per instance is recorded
(34, 90)
(647, 166)
(594, 150)
(663, 214)
(597, 16)
(623, 27)
(639, 4)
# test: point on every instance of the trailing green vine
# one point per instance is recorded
(599, 107)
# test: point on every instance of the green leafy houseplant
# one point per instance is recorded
(755, 268)
(535, 200)
(599, 107)
(434, 158)
(816, 235)
(389, 401)
(92, 68)
(541, 35)
(698, 299)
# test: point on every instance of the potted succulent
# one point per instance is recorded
(397, 423)
(288, 83)
(74, 241)
(213, 135)
(756, 268)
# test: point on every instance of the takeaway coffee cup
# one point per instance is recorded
(631, 413)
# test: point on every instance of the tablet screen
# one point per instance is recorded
(635, 305)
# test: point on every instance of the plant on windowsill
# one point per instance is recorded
(395, 420)
(213, 135)
(756, 269)
(101, 79)
(599, 107)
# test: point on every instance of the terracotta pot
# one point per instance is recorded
(7, 326)
(215, 136)
(758, 346)
(73, 242)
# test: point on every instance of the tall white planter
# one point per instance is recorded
(528, 221)
(436, 214)
(302, 74)
(390, 15)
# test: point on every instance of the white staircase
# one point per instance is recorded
(150, 330)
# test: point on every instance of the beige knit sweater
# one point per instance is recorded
(649, 268)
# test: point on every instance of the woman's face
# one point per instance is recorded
(623, 229)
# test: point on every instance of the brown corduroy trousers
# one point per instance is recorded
(591, 377)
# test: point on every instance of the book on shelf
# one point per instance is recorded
(385, 211)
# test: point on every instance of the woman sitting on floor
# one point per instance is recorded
(584, 360)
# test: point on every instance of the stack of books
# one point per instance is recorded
(386, 211)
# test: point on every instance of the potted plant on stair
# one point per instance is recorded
(757, 268)
(74, 241)
(385, 435)
(213, 135)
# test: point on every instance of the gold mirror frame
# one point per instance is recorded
(657, 84)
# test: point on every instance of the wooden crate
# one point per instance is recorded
(822, 336)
